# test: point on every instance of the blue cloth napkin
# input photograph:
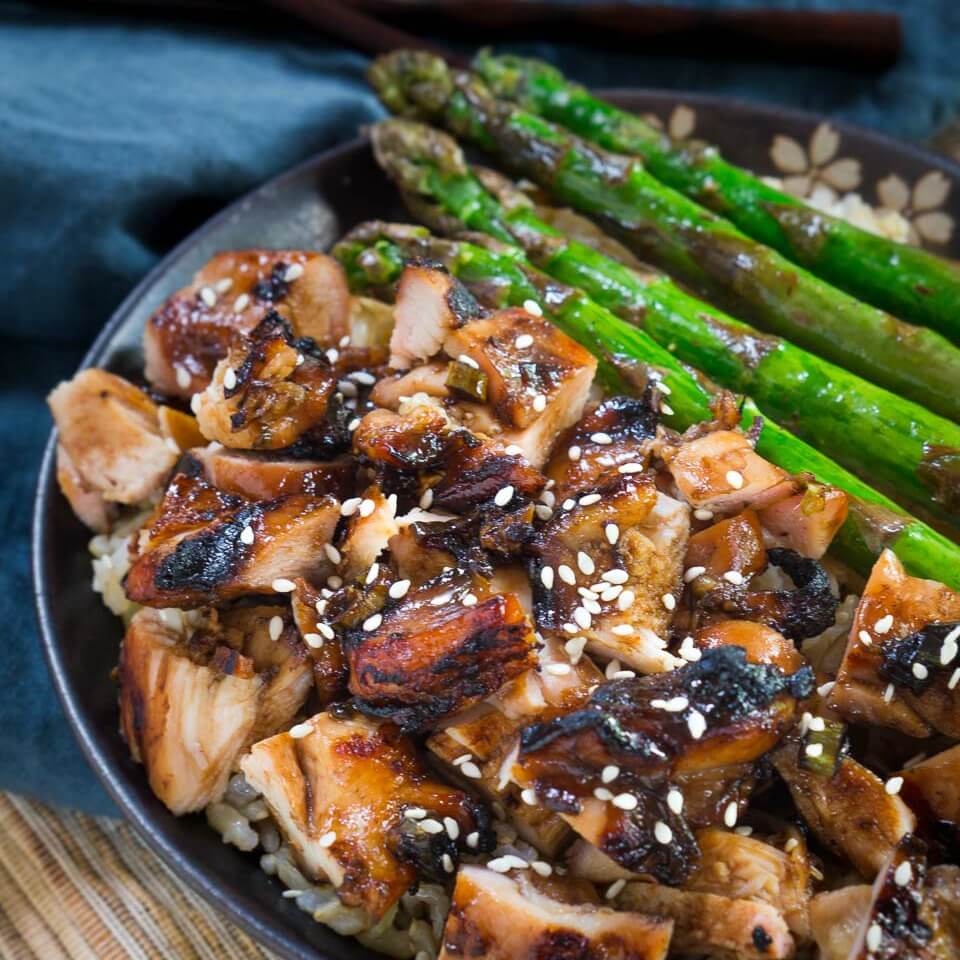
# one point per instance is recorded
(119, 135)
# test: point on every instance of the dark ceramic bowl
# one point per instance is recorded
(311, 206)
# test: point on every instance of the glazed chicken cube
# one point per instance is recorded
(430, 303)
(202, 546)
(513, 917)
(900, 668)
(188, 336)
(186, 711)
(836, 917)
(370, 526)
(430, 653)
(271, 390)
(339, 789)
(807, 522)
(709, 925)
(604, 565)
(937, 781)
(851, 811)
(111, 449)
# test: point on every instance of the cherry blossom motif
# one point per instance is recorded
(680, 124)
(920, 205)
(815, 167)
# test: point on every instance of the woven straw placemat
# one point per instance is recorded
(87, 888)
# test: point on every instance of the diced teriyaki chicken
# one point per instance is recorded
(522, 918)
(111, 449)
(192, 332)
(451, 624)
(359, 809)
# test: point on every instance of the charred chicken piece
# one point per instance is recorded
(900, 666)
(189, 335)
(429, 654)
(617, 432)
(265, 476)
(805, 611)
(850, 811)
(430, 304)
(330, 674)
(516, 917)
(705, 924)
(761, 643)
(339, 789)
(933, 786)
(371, 524)
(111, 448)
(537, 378)
(187, 710)
(273, 390)
(604, 564)
(196, 549)
(732, 544)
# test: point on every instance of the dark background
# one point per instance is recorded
(123, 127)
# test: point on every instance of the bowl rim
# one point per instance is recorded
(286, 943)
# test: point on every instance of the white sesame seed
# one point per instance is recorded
(504, 496)
(541, 867)
(367, 506)
(348, 388)
(415, 813)
(431, 826)
(585, 563)
(208, 296)
(689, 651)
(625, 801)
(893, 785)
(615, 888)
(223, 285)
(954, 679)
(825, 688)
(622, 630)
(874, 937)
(531, 306)
(735, 479)
(463, 758)
(529, 797)
(332, 355)
(865, 638)
(609, 773)
(574, 453)
(473, 840)
(539, 403)
(499, 865)
(282, 585)
(326, 630)
(612, 533)
(612, 667)
(628, 468)
(313, 640)
(246, 535)
(625, 600)
(293, 272)
(566, 574)
(574, 648)
(543, 511)
(744, 831)
(666, 409)
(569, 628)
(523, 341)
(814, 750)
(701, 513)
(363, 377)
(568, 504)
(696, 724)
(615, 576)
(513, 450)
(398, 589)
(275, 628)
(669, 601)
(730, 814)
(183, 378)
(299, 730)
(371, 623)
(948, 652)
(622, 675)
(447, 861)
(602, 793)
(441, 598)
(884, 624)
(353, 424)
(604, 439)
(903, 874)
(818, 724)
(241, 303)
(333, 554)
(676, 704)
(469, 600)
(328, 839)
(675, 800)
(888, 693)
(662, 833)
(920, 671)
(691, 573)
(229, 379)
(582, 618)
(292, 894)
(791, 845)
(426, 499)
(453, 828)
(546, 577)
(558, 669)
(471, 770)
(468, 361)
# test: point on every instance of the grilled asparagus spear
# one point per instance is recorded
(666, 228)
(892, 441)
(909, 282)
(374, 255)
